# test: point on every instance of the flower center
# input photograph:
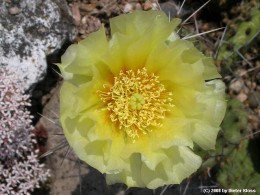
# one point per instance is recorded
(137, 101)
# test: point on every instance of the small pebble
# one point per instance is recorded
(148, 5)
(14, 10)
(84, 20)
(128, 7)
(87, 7)
(254, 99)
(242, 72)
(138, 6)
(82, 29)
(242, 97)
(236, 86)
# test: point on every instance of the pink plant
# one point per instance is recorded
(20, 171)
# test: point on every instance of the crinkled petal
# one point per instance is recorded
(205, 135)
(215, 102)
(176, 132)
(139, 23)
(78, 58)
(181, 62)
(180, 164)
(95, 142)
(67, 92)
(206, 126)
(138, 38)
(132, 176)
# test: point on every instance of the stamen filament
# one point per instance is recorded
(137, 101)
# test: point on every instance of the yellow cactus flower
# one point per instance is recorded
(133, 106)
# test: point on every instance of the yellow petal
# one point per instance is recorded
(215, 102)
(156, 178)
(180, 164)
(67, 95)
(96, 43)
(179, 61)
(175, 131)
(210, 71)
(153, 158)
(137, 23)
(205, 135)
(207, 124)
(139, 38)
(185, 98)
(184, 163)
(168, 52)
(114, 57)
(87, 91)
(78, 58)
(117, 178)
(96, 154)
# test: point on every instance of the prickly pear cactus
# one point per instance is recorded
(245, 28)
(237, 171)
(237, 168)
(234, 123)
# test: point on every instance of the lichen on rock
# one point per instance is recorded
(30, 30)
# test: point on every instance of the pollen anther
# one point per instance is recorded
(137, 101)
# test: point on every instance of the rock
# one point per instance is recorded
(14, 10)
(236, 86)
(242, 97)
(254, 99)
(138, 6)
(29, 31)
(87, 7)
(148, 5)
(93, 183)
(128, 8)
(89, 24)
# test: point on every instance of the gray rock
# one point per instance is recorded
(31, 30)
